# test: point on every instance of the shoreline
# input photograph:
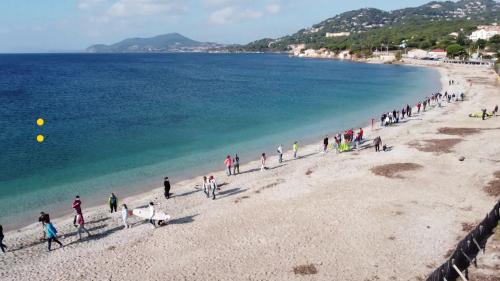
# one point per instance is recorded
(140, 190)
(331, 211)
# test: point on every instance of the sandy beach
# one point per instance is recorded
(359, 215)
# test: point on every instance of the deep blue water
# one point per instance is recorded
(116, 122)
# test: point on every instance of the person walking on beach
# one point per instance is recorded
(357, 141)
(2, 245)
(77, 206)
(51, 235)
(125, 215)
(377, 141)
(113, 202)
(337, 143)
(495, 110)
(280, 153)
(262, 162)
(206, 186)
(236, 165)
(166, 186)
(295, 149)
(43, 219)
(325, 144)
(152, 212)
(81, 226)
(228, 162)
(213, 186)
(419, 104)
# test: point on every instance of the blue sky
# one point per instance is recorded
(58, 25)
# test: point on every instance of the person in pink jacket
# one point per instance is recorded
(81, 226)
(228, 162)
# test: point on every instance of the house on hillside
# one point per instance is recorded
(437, 54)
(417, 54)
(337, 34)
(485, 32)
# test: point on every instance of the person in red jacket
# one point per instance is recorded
(77, 206)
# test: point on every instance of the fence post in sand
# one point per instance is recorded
(477, 245)
(459, 273)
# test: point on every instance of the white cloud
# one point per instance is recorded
(89, 4)
(232, 14)
(273, 8)
(222, 16)
(130, 8)
(215, 2)
(251, 14)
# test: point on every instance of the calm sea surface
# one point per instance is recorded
(116, 122)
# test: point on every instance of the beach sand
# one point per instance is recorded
(353, 216)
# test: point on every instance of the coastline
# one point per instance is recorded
(280, 193)
(145, 190)
(137, 188)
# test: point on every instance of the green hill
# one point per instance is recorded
(425, 26)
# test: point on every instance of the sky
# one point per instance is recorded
(73, 25)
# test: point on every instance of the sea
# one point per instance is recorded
(121, 122)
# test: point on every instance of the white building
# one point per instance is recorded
(337, 34)
(417, 54)
(437, 54)
(485, 32)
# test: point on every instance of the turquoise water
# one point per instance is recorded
(120, 122)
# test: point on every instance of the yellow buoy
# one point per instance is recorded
(39, 138)
(39, 122)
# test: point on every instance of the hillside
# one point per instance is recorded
(369, 28)
(172, 42)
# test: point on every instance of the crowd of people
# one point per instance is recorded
(342, 142)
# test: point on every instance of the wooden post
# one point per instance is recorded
(477, 244)
(459, 273)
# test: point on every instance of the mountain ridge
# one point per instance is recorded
(371, 20)
(170, 42)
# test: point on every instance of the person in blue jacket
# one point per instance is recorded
(2, 245)
(51, 234)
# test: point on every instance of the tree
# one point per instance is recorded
(461, 39)
(424, 45)
(481, 43)
(495, 39)
(455, 50)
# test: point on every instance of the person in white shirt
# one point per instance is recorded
(151, 214)
(213, 185)
(125, 215)
(280, 153)
(263, 162)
